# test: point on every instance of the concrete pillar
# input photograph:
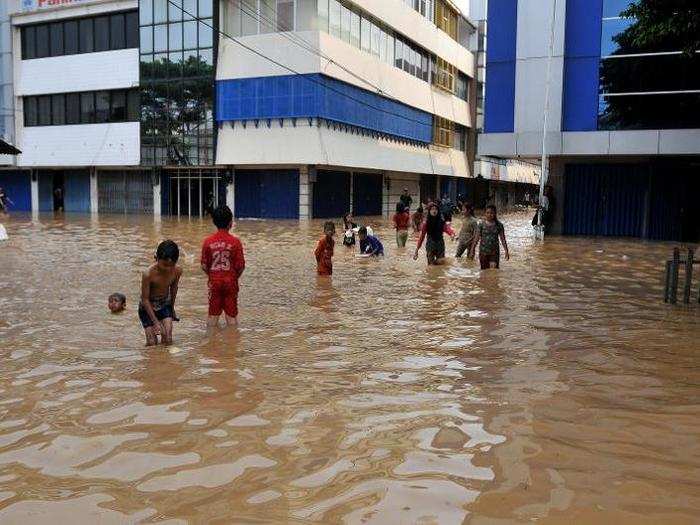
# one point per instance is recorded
(386, 190)
(156, 181)
(34, 189)
(306, 175)
(231, 192)
(94, 195)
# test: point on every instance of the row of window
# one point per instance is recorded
(653, 111)
(85, 35)
(88, 107)
(177, 36)
(161, 11)
(449, 134)
(654, 73)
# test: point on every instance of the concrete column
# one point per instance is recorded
(386, 190)
(156, 180)
(34, 188)
(305, 191)
(231, 193)
(94, 195)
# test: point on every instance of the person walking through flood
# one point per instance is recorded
(324, 250)
(401, 220)
(5, 203)
(488, 233)
(406, 199)
(434, 228)
(417, 219)
(223, 262)
(370, 246)
(349, 227)
(468, 231)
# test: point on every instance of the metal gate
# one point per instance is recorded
(331, 194)
(367, 193)
(267, 194)
(127, 191)
(194, 192)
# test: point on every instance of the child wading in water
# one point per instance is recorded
(434, 227)
(223, 261)
(467, 232)
(402, 220)
(158, 292)
(417, 219)
(369, 244)
(488, 233)
(324, 250)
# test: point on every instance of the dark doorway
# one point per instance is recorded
(59, 191)
(367, 194)
(331, 194)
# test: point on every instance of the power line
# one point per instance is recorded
(291, 70)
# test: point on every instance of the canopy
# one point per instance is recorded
(8, 149)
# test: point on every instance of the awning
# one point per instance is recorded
(8, 149)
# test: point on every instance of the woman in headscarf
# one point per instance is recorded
(434, 228)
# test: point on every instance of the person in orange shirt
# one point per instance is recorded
(324, 250)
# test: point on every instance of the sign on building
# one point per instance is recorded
(34, 5)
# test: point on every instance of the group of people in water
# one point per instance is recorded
(431, 223)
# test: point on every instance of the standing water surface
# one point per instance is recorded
(558, 389)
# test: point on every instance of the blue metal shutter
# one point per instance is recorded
(331, 194)
(45, 190)
(17, 187)
(267, 194)
(367, 194)
(76, 185)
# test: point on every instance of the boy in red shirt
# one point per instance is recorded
(402, 221)
(223, 262)
(324, 250)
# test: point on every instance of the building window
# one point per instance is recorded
(462, 86)
(446, 18)
(445, 75)
(81, 108)
(84, 35)
(443, 131)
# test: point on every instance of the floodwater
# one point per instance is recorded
(559, 390)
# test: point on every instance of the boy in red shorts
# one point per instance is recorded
(223, 262)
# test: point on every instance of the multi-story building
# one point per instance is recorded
(282, 108)
(623, 115)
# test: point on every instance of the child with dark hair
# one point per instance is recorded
(468, 230)
(488, 233)
(324, 250)
(223, 262)
(369, 244)
(158, 293)
(433, 228)
(417, 219)
(348, 226)
(116, 303)
(402, 220)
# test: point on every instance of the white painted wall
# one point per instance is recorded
(320, 145)
(116, 144)
(71, 73)
(237, 62)
(397, 182)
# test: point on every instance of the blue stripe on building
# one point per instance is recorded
(319, 96)
(581, 65)
(499, 107)
(17, 186)
(267, 194)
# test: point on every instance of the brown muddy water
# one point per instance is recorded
(559, 389)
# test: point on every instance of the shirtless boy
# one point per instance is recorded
(158, 292)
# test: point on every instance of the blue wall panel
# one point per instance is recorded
(76, 185)
(331, 194)
(318, 96)
(267, 194)
(581, 65)
(499, 107)
(45, 190)
(17, 187)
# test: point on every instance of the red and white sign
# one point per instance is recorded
(35, 5)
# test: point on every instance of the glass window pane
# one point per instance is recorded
(117, 31)
(268, 23)
(345, 23)
(45, 110)
(190, 9)
(613, 8)
(407, 58)
(42, 41)
(323, 15)
(58, 109)
(102, 33)
(206, 8)
(399, 54)
(174, 10)
(102, 106)
(334, 18)
(146, 39)
(56, 30)
(87, 107)
(206, 33)
(364, 34)
(285, 15)
(28, 42)
(160, 38)
(146, 12)
(73, 108)
(132, 30)
(375, 39)
(677, 111)
(249, 17)
(206, 59)
(650, 73)
(87, 36)
(382, 45)
(175, 65)
(175, 36)
(355, 29)
(612, 28)
(160, 11)
(117, 112)
(31, 117)
(70, 34)
(133, 105)
(390, 50)
(190, 35)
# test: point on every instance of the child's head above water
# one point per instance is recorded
(116, 302)
(362, 233)
(329, 228)
(433, 209)
(222, 217)
(491, 214)
(167, 255)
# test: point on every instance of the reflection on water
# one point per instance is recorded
(558, 389)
